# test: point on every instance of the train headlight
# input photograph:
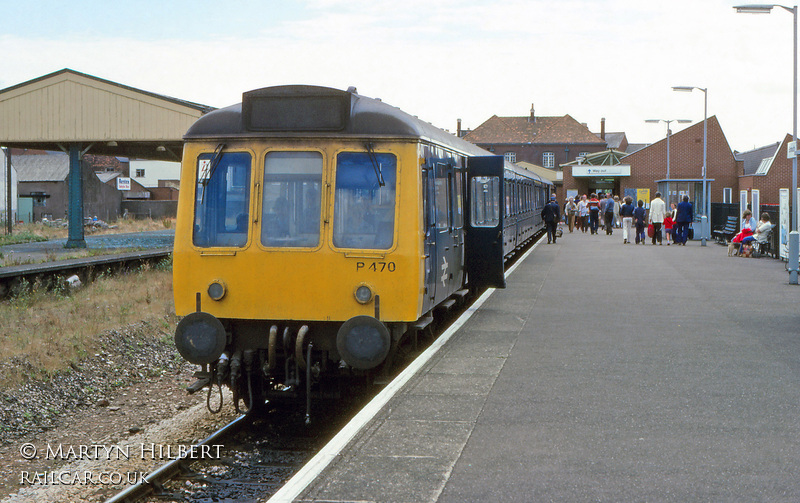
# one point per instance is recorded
(216, 290)
(363, 342)
(200, 338)
(363, 294)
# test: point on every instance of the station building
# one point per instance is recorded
(544, 141)
(584, 162)
(641, 173)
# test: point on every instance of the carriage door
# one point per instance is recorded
(484, 240)
(443, 239)
(430, 237)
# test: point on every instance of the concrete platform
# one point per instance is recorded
(604, 372)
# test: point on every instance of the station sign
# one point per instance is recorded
(791, 150)
(618, 170)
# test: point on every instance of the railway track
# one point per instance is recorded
(53, 274)
(248, 459)
(155, 481)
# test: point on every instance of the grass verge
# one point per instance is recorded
(53, 330)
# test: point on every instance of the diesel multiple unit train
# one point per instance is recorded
(318, 228)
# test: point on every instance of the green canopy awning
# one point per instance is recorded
(609, 157)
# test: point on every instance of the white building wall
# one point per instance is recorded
(154, 171)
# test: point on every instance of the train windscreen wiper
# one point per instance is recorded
(375, 164)
(210, 169)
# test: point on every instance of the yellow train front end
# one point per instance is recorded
(298, 250)
(300, 230)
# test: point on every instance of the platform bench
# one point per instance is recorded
(724, 234)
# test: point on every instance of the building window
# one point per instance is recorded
(139, 173)
(549, 160)
(727, 195)
(510, 156)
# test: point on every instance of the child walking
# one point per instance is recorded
(668, 222)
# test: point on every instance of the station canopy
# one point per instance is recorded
(609, 157)
(103, 117)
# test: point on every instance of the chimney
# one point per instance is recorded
(603, 129)
(533, 115)
(458, 128)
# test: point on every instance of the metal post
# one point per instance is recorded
(9, 221)
(668, 135)
(794, 236)
(75, 234)
(706, 199)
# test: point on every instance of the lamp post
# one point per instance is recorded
(794, 236)
(706, 198)
(667, 121)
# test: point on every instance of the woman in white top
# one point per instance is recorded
(748, 220)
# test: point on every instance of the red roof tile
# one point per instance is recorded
(545, 130)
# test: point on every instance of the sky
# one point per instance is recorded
(440, 60)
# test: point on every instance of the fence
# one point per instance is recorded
(150, 209)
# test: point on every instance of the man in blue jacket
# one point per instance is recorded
(684, 216)
(551, 214)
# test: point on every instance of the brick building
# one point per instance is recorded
(647, 168)
(545, 141)
(766, 170)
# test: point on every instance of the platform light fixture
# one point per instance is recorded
(794, 236)
(755, 9)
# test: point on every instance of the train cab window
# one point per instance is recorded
(222, 200)
(364, 206)
(485, 195)
(291, 204)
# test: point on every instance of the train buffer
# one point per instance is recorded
(602, 372)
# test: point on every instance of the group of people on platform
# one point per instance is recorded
(752, 231)
(586, 214)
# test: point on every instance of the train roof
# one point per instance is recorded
(520, 171)
(293, 110)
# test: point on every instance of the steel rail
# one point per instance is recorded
(155, 480)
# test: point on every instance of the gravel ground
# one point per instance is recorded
(131, 393)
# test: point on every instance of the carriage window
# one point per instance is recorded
(291, 203)
(363, 209)
(222, 200)
(458, 205)
(442, 210)
(485, 195)
(508, 197)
